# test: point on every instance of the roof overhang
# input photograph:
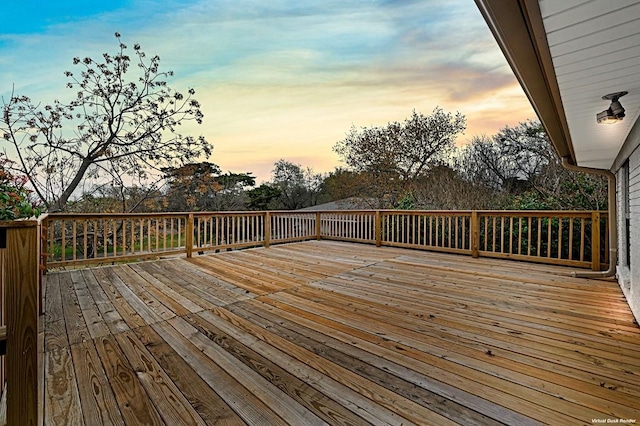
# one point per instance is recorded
(595, 50)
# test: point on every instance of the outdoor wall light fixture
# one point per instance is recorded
(615, 112)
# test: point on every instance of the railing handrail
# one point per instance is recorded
(311, 212)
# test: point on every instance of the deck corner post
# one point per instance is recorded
(188, 241)
(475, 234)
(267, 229)
(21, 292)
(378, 228)
(318, 226)
(595, 240)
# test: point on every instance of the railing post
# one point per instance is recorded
(475, 234)
(267, 229)
(318, 226)
(595, 240)
(188, 240)
(378, 228)
(42, 259)
(21, 298)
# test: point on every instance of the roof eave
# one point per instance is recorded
(518, 28)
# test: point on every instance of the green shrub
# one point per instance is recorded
(14, 197)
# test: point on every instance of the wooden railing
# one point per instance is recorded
(76, 239)
(448, 231)
(572, 238)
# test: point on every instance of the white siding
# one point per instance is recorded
(630, 276)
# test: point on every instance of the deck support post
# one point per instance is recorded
(475, 234)
(42, 257)
(595, 240)
(267, 229)
(188, 241)
(21, 275)
(378, 228)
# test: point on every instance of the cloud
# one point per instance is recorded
(282, 78)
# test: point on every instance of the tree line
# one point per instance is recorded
(117, 147)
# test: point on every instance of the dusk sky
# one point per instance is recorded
(279, 79)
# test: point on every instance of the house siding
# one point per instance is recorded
(629, 275)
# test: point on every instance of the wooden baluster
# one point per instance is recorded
(539, 253)
(124, 236)
(510, 234)
(529, 236)
(180, 232)
(549, 237)
(519, 235)
(149, 246)
(494, 219)
(164, 234)
(486, 232)
(74, 238)
(64, 240)
(560, 237)
(475, 233)
(595, 241)
(571, 218)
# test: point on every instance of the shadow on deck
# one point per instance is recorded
(326, 332)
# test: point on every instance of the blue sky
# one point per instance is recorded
(279, 79)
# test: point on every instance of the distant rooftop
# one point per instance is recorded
(351, 203)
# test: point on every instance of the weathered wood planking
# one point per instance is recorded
(453, 343)
(209, 405)
(55, 331)
(375, 368)
(330, 332)
(248, 406)
(317, 402)
(96, 396)
(403, 331)
(133, 402)
(61, 398)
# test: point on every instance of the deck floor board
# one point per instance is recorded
(325, 332)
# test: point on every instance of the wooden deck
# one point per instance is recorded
(326, 332)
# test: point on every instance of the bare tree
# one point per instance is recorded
(443, 188)
(520, 161)
(122, 123)
(408, 149)
(297, 187)
(393, 157)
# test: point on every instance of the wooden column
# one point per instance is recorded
(595, 241)
(21, 295)
(267, 228)
(475, 234)
(378, 228)
(188, 240)
(42, 257)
